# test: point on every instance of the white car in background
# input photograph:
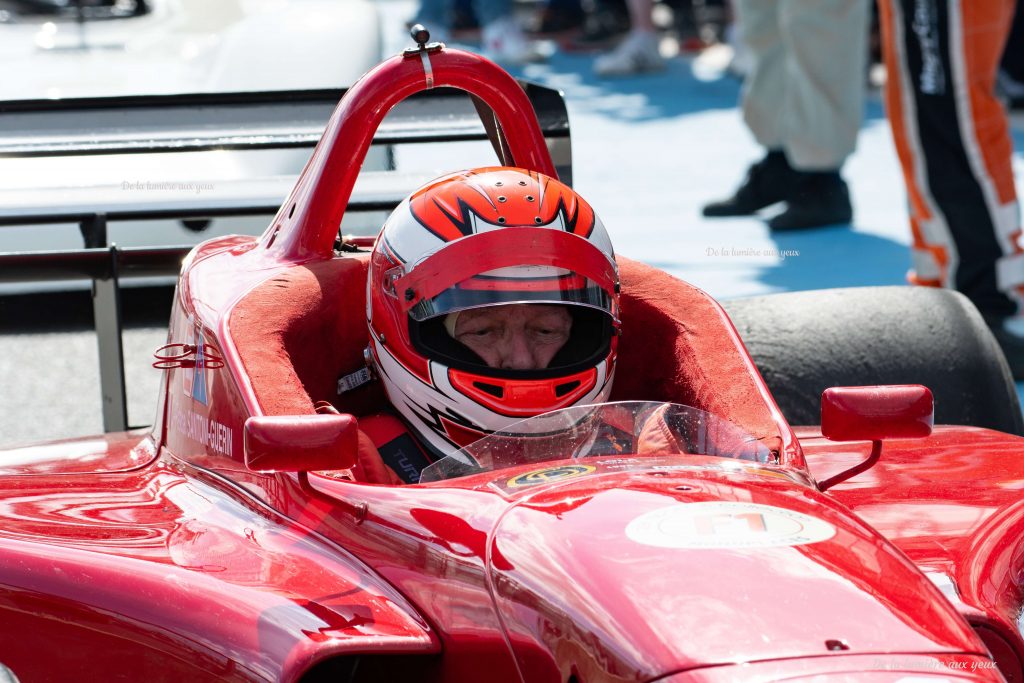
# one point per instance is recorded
(93, 48)
(56, 52)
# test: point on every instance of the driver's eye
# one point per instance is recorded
(482, 332)
(549, 330)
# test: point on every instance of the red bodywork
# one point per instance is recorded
(161, 555)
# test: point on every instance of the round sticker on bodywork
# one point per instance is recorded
(548, 475)
(727, 525)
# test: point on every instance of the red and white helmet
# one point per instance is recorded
(489, 237)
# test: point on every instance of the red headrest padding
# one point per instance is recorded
(299, 331)
(678, 345)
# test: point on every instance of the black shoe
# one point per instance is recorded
(816, 199)
(768, 182)
(1011, 344)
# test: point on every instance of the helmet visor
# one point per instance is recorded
(519, 285)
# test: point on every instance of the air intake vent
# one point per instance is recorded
(563, 389)
(492, 389)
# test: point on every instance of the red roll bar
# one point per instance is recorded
(307, 224)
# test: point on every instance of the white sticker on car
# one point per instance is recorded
(727, 525)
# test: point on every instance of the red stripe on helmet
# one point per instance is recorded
(488, 251)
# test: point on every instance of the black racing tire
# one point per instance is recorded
(805, 342)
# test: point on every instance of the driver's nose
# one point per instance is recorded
(517, 354)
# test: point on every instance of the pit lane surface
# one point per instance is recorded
(648, 151)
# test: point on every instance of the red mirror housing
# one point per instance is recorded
(903, 411)
(300, 443)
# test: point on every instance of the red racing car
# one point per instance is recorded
(235, 540)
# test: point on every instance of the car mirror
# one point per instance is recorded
(875, 413)
(300, 443)
(903, 411)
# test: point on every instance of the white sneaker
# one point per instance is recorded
(504, 41)
(636, 54)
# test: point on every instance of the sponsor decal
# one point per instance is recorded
(212, 435)
(925, 26)
(188, 372)
(199, 377)
(403, 456)
(714, 525)
(194, 378)
(548, 475)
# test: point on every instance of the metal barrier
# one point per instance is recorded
(202, 122)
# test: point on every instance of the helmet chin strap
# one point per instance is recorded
(363, 375)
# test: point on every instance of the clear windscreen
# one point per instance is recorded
(626, 428)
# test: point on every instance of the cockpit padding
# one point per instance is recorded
(299, 331)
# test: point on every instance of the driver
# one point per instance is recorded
(492, 296)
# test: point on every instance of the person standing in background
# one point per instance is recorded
(953, 140)
(803, 99)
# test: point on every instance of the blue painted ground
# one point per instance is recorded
(650, 151)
